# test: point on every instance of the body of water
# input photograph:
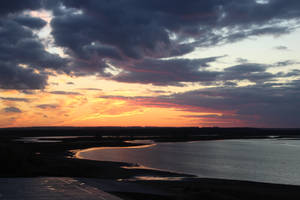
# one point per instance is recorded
(268, 160)
(47, 139)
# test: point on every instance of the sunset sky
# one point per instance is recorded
(202, 63)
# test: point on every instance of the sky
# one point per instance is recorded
(224, 63)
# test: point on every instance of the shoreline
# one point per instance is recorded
(55, 160)
(137, 161)
(131, 146)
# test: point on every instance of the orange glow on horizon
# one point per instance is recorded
(103, 104)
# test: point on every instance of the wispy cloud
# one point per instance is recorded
(12, 110)
(47, 106)
(91, 89)
(15, 99)
(281, 48)
(64, 93)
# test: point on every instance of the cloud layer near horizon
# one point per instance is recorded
(259, 105)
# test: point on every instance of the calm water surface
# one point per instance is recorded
(269, 160)
(47, 139)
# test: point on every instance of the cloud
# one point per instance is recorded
(258, 105)
(12, 110)
(133, 35)
(169, 72)
(64, 93)
(15, 99)
(23, 58)
(179, 71)
(30, 22)
(47, 106)
(276, 107)
(13, 6)
(15, 77)
(230, 84)
(282, 48)
(285, 63)
(242, 60)
(158, 91)
(91, 89)
(253, 72)
(29, 92)
(130, 36)
(123, 32)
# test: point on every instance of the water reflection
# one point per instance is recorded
(93, 152)
(269, 160)
(156, 178)
(47, 139)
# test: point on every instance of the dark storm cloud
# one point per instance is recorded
(13, 6)
(31, 22)
(169, 72)
(139, 28)
(177, 71)
(124, 33)
(12, 110)
(249, 71)
(20, 45)
(15, 77)
(250, 12)
(132, 35)
(21, 52)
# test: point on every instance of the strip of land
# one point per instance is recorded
(56, 159)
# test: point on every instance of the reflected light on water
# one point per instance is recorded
(268, 160)
(78, 152)
(156, 178)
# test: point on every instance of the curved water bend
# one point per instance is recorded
(271, 160)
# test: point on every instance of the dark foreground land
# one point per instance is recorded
(54, 159)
